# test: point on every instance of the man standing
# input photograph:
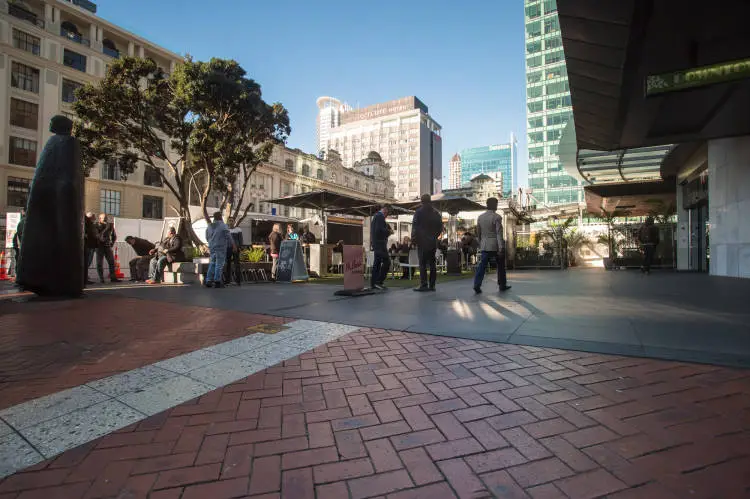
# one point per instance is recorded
(139, 265)
(491, 243)
(107, 237)
(168, 251)
(427, 226)
(219, 240)
(233, 254)
(90, 243)
(379, 232)
(274, 242)
(648, 236)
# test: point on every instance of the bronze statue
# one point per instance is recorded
(51, 258)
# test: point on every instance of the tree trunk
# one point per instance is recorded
(187, 224)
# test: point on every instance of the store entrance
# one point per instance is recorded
(699, 247)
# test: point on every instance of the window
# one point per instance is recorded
(536, 137)
(320, 174)
(558, 87)
(109, 202)
(22, 152)
(553, 43)
(24, 114)
(561, 181)
(533, 29)
(111, 170)
(289, 165)
(558, 119)
(553, 134)
(534, 62)
(556, 72)
(74, 60)
(536, 183)
(557, 102)
(306, 170)
(534, 77)
(536, 122)
(551, 24)
(24, 77)
(69, 88)
(532, 92)
(18, 191)
(535, 107)
(26, 42)
(550, 6)
(553, 57)
(536, 152)
(152, 177)
(534, 47)
(153, 207)
(553, 148)
(533, 11)
(536, 167)
(356, 184)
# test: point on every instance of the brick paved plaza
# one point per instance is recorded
(372, 413)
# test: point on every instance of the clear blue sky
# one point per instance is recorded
(465, 60)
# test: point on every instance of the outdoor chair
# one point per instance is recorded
(440, 263)
(412, 264)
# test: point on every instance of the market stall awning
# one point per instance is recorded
(449, 204)
(320, 200)
(369, 210)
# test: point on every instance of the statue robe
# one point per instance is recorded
(51, 257)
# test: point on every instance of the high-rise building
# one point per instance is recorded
(497, 161)
(548, 105)
(329, 112)
(403, 133)
(49, 48)
(454, 172)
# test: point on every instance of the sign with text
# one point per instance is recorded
(697, 77)
(291, 264)
(354, 267)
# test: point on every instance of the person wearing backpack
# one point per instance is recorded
(648, 236)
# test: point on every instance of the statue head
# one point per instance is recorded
(61, 125)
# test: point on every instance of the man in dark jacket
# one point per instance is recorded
(168, 251)
(274, 241)
(106, 237)
(90, 243)
(427, 226)
(233, 254)
(139, 264)
(379, 232)
(648, 236)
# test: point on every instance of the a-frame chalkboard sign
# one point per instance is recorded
(291, 264)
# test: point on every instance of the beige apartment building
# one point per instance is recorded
(48, 48)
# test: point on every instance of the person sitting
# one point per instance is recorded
(139, 265)
(167, 252)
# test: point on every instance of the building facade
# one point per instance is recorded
(291, 171)
(329, 116)
(48, 48)
(498, 161)
(478, 189)
(454, 172)
(548, 105)
(403, 133)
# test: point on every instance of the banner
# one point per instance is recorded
(354, 267)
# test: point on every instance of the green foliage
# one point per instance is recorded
(558, 231)
(252, 255)
(214, 119)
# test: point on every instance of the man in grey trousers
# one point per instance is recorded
(491, 243)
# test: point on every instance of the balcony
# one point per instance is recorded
(76, 37)
(114, 53)
(21, 13)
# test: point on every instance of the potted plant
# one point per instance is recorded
(251, 258)
(610, 239)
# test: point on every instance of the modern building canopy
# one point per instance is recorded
(648, 72)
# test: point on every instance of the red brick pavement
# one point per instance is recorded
(46, 347)
(401, 415)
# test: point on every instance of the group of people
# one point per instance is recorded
(151, 259)
(427, 226)
(275, 238)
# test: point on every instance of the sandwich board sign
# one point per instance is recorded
(291, 265)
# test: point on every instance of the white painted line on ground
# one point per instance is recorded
(45, 427)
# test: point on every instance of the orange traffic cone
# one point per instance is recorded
(3, 270)
(118, 272)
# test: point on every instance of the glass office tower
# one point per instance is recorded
(500, 158)
(548, 106)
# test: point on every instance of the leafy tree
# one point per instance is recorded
(212, 117)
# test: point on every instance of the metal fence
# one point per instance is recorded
(627, 250)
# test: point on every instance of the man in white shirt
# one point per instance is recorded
(491, 243)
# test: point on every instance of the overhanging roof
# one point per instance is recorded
(611, 47)
(637, 198)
